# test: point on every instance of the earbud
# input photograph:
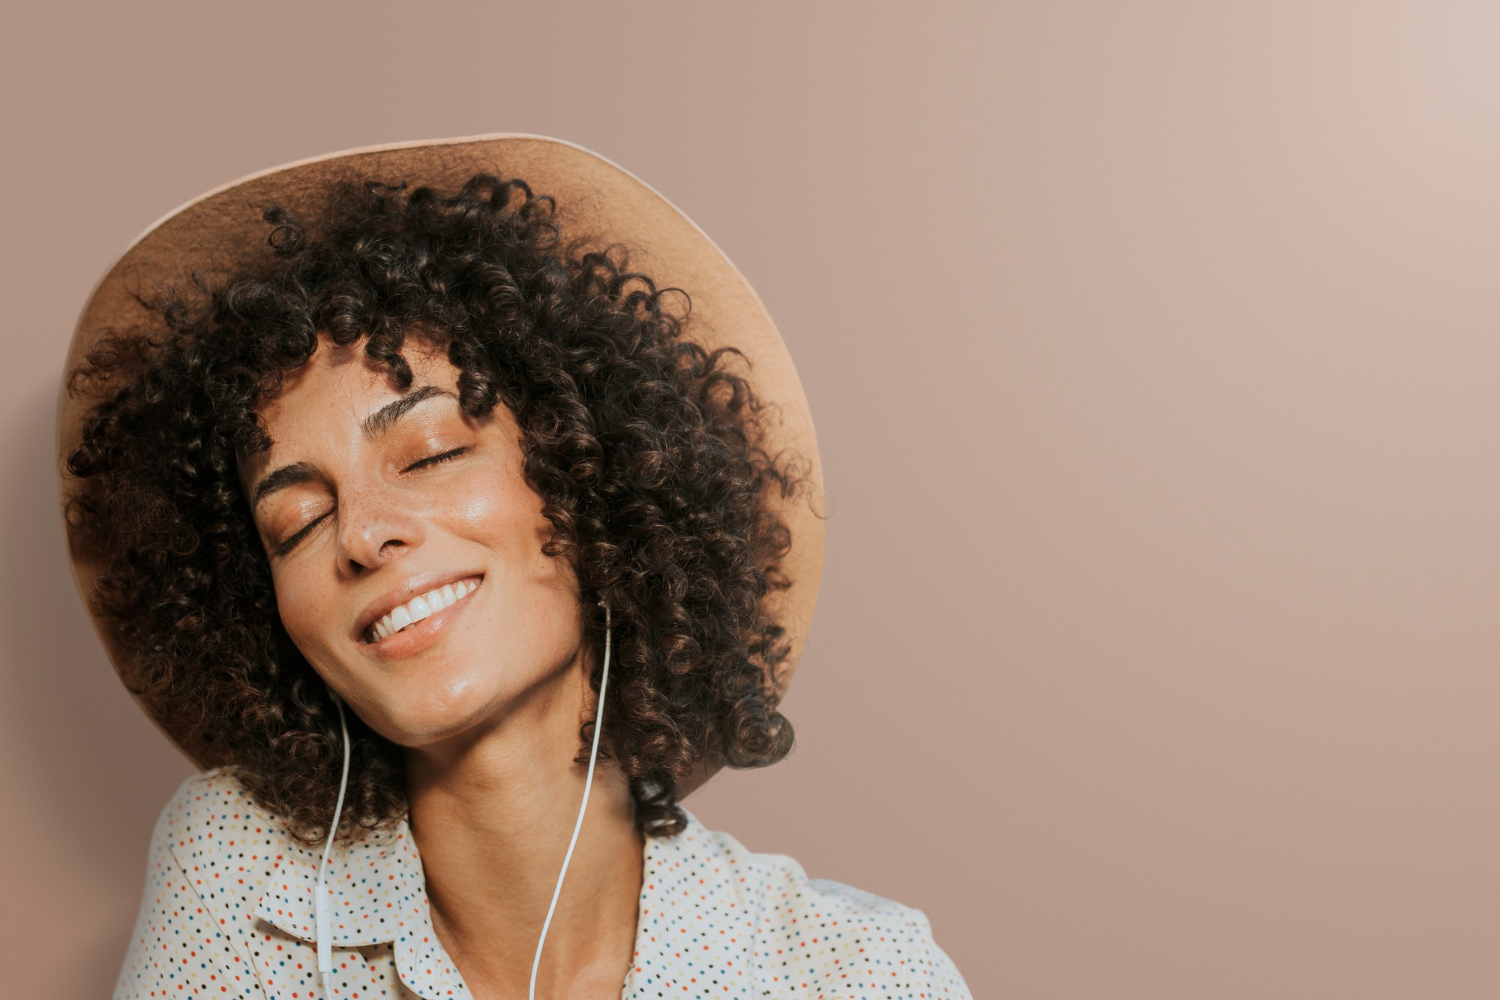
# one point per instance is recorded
(323, 907)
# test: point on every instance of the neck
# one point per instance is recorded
(492, 813)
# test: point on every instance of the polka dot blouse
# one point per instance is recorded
(228, 912)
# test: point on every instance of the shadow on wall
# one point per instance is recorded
(90, 767)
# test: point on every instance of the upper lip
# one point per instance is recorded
(404, 592)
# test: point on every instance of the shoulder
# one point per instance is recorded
(212, 817)
(229, 849)
(219, 835)
(182, 937)
(205, 804)
(830, 936)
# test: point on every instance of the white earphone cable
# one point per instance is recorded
(588, 783)
(321, 901)
(321, 905)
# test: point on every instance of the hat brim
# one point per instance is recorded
(221, 226)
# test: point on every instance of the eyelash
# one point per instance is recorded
(446, 456)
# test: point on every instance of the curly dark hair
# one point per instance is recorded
(645, 447)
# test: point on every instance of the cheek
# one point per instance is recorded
(536, 595)
(303, 607)
(504, 512)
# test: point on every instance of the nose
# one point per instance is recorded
(375, 528)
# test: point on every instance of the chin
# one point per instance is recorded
(433, 705)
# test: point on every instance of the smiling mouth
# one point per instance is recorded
(422, 606)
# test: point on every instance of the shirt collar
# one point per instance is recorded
(378, 894)
(378, 891)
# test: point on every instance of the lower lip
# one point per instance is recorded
(415, 638)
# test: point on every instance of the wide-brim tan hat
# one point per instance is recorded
(593, 195)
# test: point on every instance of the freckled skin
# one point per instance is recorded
(489, 713)
(382, 523)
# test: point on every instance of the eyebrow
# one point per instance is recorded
(384, 418)
(373, 426)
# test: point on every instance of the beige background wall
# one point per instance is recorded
(1154, 351)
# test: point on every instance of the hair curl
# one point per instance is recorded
(645, 448)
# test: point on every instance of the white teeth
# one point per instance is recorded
(420, 607)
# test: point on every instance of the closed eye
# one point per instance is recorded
(291, 543)
(435, 459)
(446, 456)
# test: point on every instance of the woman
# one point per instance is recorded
(449, 542)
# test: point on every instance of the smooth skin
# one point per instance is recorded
(488, 699)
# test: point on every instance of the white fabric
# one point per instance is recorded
(227, 911)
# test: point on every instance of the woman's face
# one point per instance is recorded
(378, 508)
